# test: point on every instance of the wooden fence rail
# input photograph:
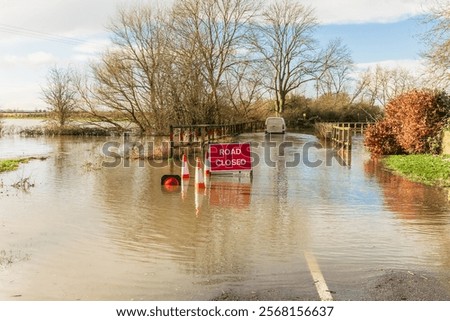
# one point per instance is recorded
(357, 127)
(342, 136)
(200, 135)
(341, 132)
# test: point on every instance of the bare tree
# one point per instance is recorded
(437, 40)
(60, 94)
(337, 67)
(92, 105)
(170, 66)
(245, 92)
(215, 31)
(128, 77)
(187, 87)
(285, 40)
(378, 86)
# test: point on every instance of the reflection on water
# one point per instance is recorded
(15, 126)
(114, 233)
(408, 199)
(230, 193)
(16, 147)
(424, 209)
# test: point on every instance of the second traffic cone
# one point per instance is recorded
(199, 181)
(184, 168)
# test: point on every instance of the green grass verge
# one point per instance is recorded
(11, 164)
(427, 169)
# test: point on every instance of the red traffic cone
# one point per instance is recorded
(207, 165)
(184, 168)
(170, 183)
(199, 181)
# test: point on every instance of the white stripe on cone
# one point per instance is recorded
(184, 168)
(199, 181)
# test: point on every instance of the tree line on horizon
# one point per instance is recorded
(226, 61)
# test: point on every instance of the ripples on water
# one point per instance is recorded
(114, 233)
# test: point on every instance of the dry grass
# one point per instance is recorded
(23, 184)
(51, 130)
(323, 130)
(8, 257)
(446, 143)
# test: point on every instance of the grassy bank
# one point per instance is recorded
(66, 131)
(11, 164)
(427, 169)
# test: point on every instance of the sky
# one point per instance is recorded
(40, 34)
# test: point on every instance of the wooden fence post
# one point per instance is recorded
(172, 143)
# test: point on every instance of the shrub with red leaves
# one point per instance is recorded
(411, 124)
(381, 139)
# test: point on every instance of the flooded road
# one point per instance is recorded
(87, 232)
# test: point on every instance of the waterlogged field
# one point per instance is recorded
(87, 231)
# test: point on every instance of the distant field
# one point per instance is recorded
(24, 114)
(75, 116)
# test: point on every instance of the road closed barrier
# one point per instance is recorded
(230, 157)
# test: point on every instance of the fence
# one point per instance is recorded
(342, 136)
(200, 135)
(340, 132)
(357, 127)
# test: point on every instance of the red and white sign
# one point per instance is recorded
(230, 157)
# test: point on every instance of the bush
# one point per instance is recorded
(381, 139)
(412, 124)
(52, 130)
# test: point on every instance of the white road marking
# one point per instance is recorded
(319, 281)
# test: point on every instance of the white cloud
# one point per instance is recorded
(22, 96)
(364, 11)
(78, 17)
(27, 28)
(34, 59)
(414, 66)
(70, 18)
(53, 16)
(93, 47)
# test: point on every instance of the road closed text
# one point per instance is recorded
(230, 157)
(230, 162)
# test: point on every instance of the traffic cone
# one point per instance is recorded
(199, 181)
(184, 168)
(207, 165)
(171, 183)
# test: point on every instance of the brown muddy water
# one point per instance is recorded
(87, 232)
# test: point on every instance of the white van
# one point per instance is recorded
(275, 125)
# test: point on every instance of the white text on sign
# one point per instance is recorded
(230, 157)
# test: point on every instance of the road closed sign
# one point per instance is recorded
(230, 157)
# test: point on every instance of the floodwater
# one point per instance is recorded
(83, 231)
